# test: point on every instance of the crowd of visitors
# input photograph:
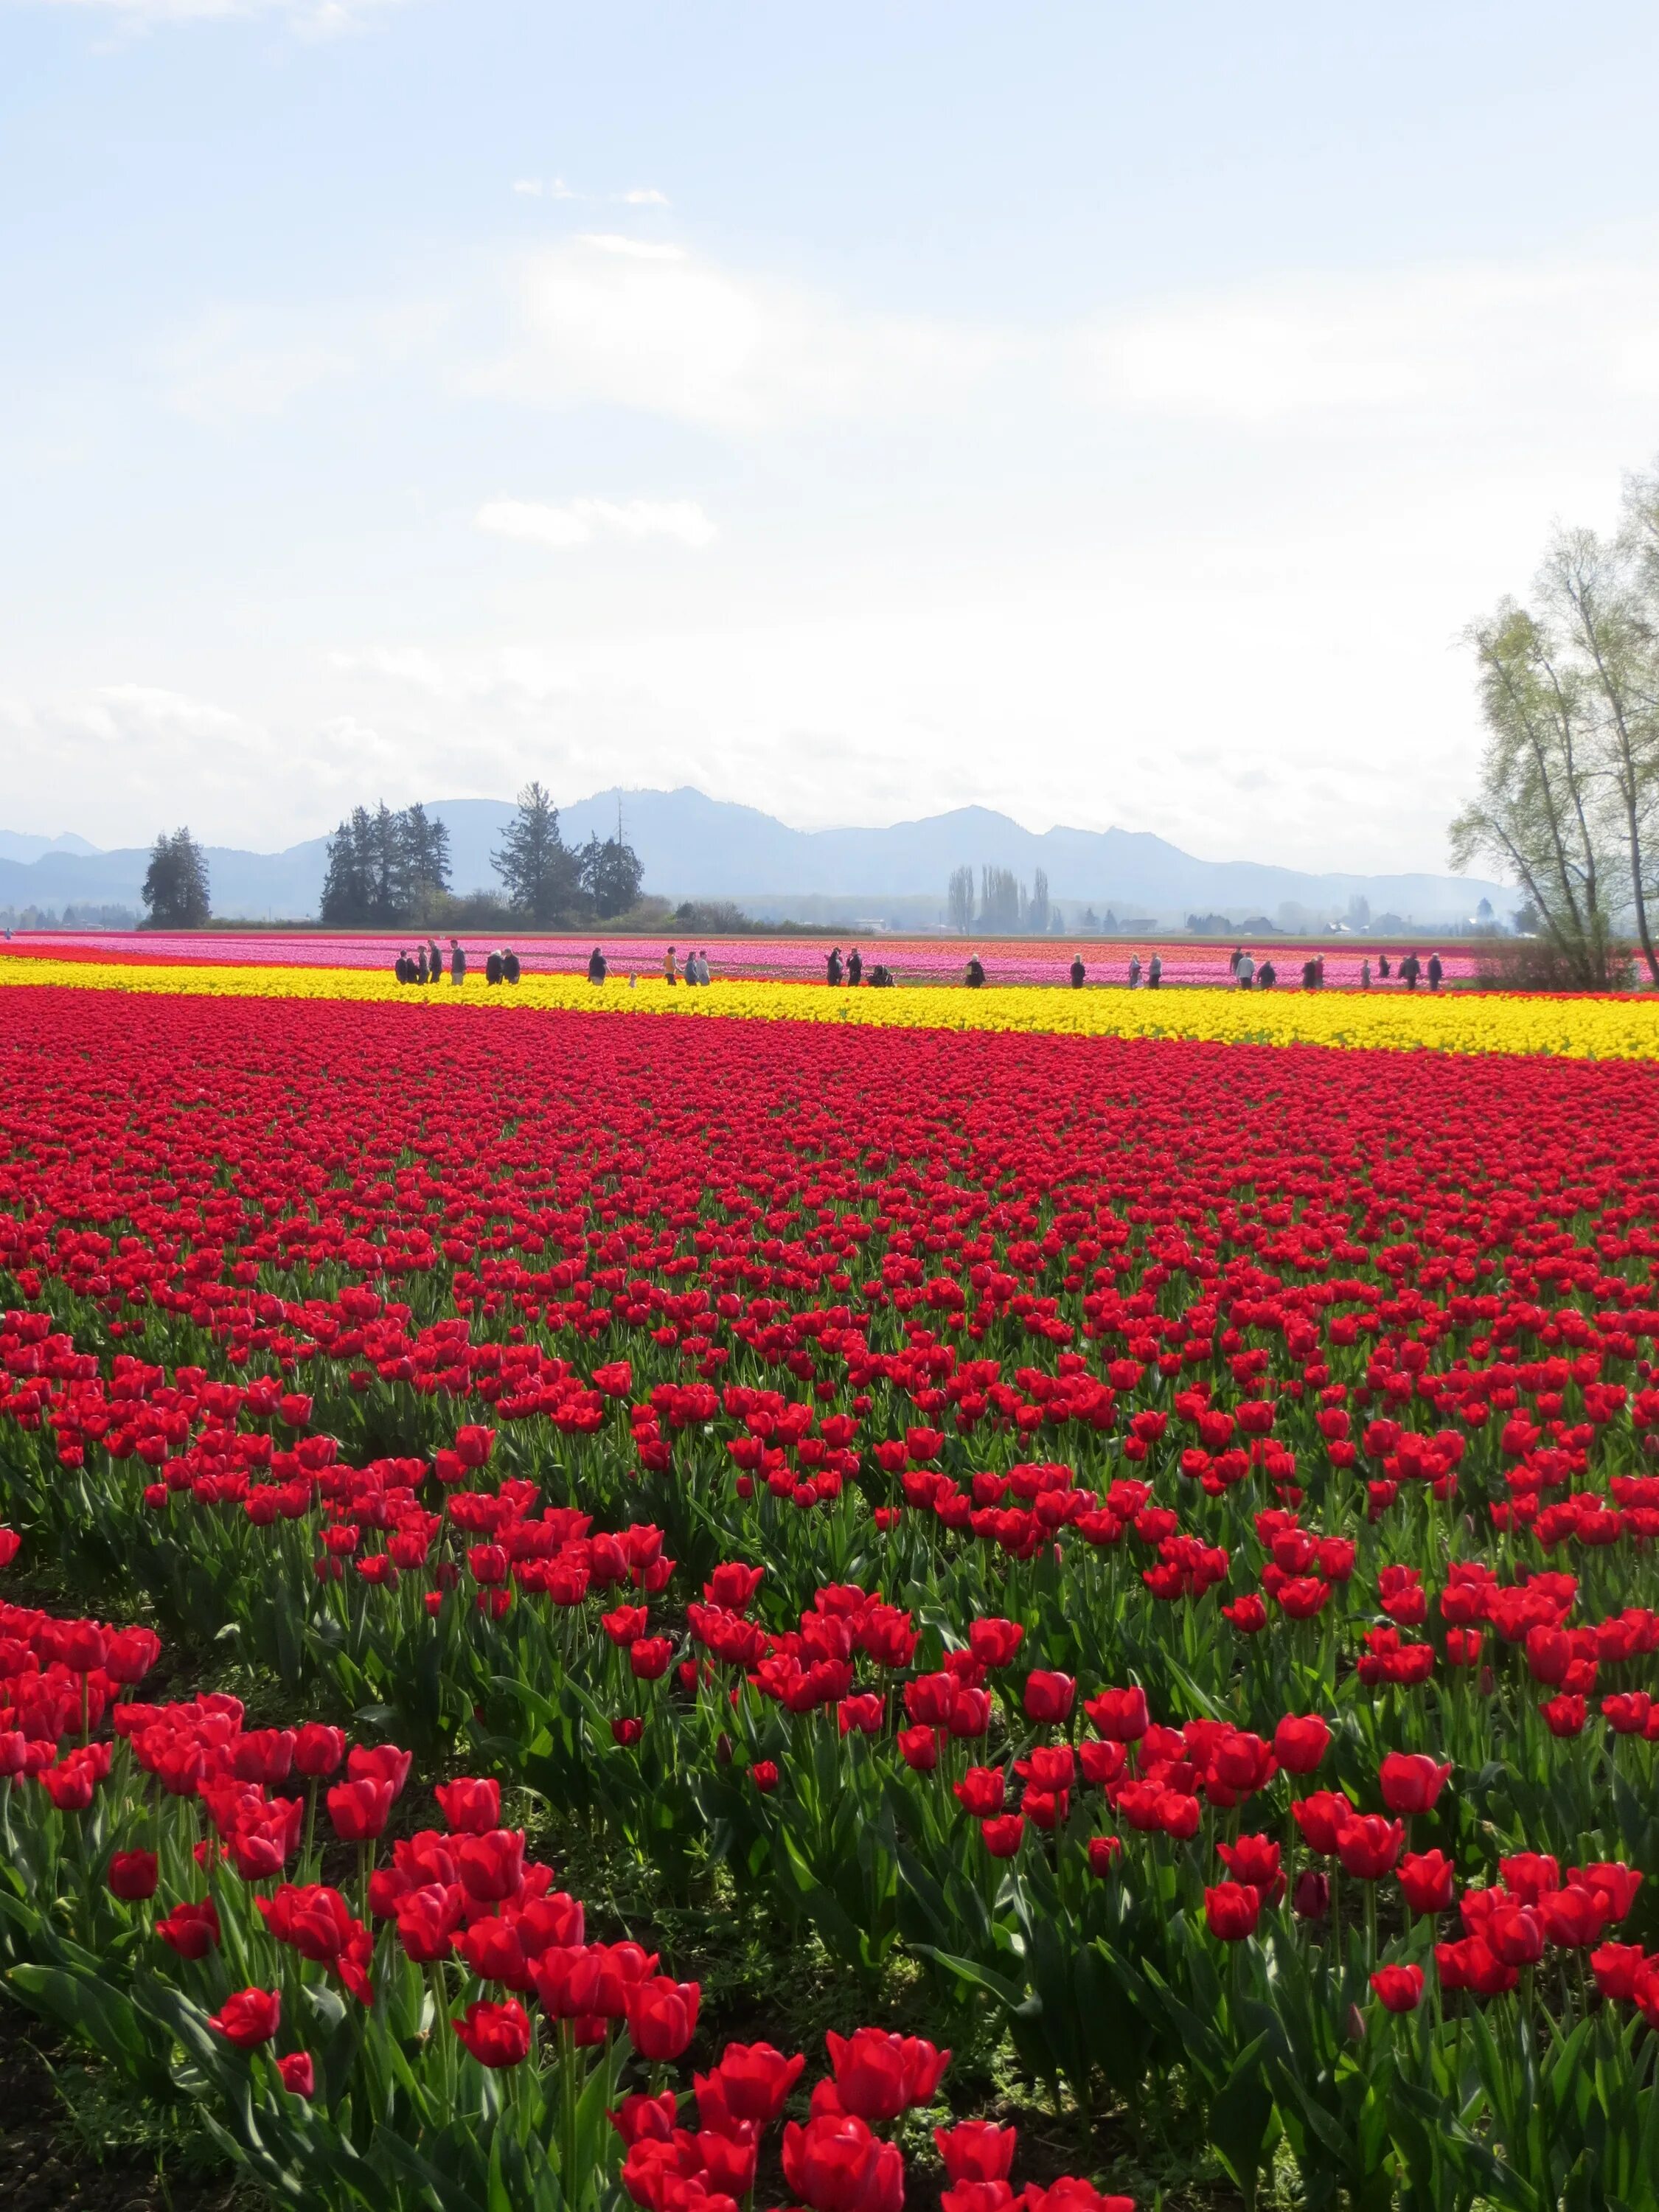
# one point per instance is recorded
(427, 965)
(1247, 973)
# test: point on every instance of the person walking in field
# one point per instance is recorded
(457, 963)
(691, 970)
(1135, 970)
(1155, 972)
(702, 959)
(832, 968)
(670, 968)
(975, 973)
(435, 966)
(1267, 977)
(1383, 967)
(855, 967)
(1233, 959)
(1078, 971)
(596, 966)
(1410, 968)
(1245, 970)
(1365, 973)
(493, 970)
(1435, 971)
(510, 965)
(419, 965)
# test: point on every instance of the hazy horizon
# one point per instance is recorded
(1108, 418)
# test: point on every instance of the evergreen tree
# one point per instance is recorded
(385, 868)
(175, 889)
(346, 885)
(426, 857)
(610, 874)
(538, 869)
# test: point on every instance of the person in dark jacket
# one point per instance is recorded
(975, 978)
(1077, 972)
(596, 966)
(1435, 971)
(400, 967)
(1265, 976)
(510, 965)
(1382, 966)
(493, 969)
(1410, 968)
(457, 963)
(832, 968)
(1310, 976)
(419, 965)
(880, 978)
(854, 967)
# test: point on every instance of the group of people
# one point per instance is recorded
(1246, 973)
(427, 965)
(693, 970)
(851, 971)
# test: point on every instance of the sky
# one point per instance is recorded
(1106, 413)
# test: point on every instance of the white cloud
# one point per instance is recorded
(647, 197)
(636, 324)
(316, 18)
(580, 521)
(1486, 337)
(550, 188)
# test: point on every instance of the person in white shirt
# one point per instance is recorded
(1246, 970)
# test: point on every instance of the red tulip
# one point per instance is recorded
(248, 2019)
(662, 2017)
(1232, 1910)
(491, 1865)
(133, 1875)
(470, 1806)
(1300, 1742)
(833, 2164)
(1003, 1834)
(1573, 1917)
(1319, 1817)
(982, 1792)
(1048, 1698)
(382, 1762)
(191, 1929)
(1368, 1846)
(753, 2079)
(299, 2073)
(1411, 1782)
(1615, 1966)
(317, 1750)
(1120, 1715)
(993, 1642)
(1471, 1965)
(976, 2150)
(1399, 1988)
(1426, 1878)
(359, 1810)
(1254, 1861)
(497, 2035)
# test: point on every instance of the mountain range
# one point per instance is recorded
(694, 846)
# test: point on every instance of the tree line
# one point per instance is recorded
(1005, 907)
(389, 867)
(1568, 803)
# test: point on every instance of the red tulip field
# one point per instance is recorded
(612, 1610)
